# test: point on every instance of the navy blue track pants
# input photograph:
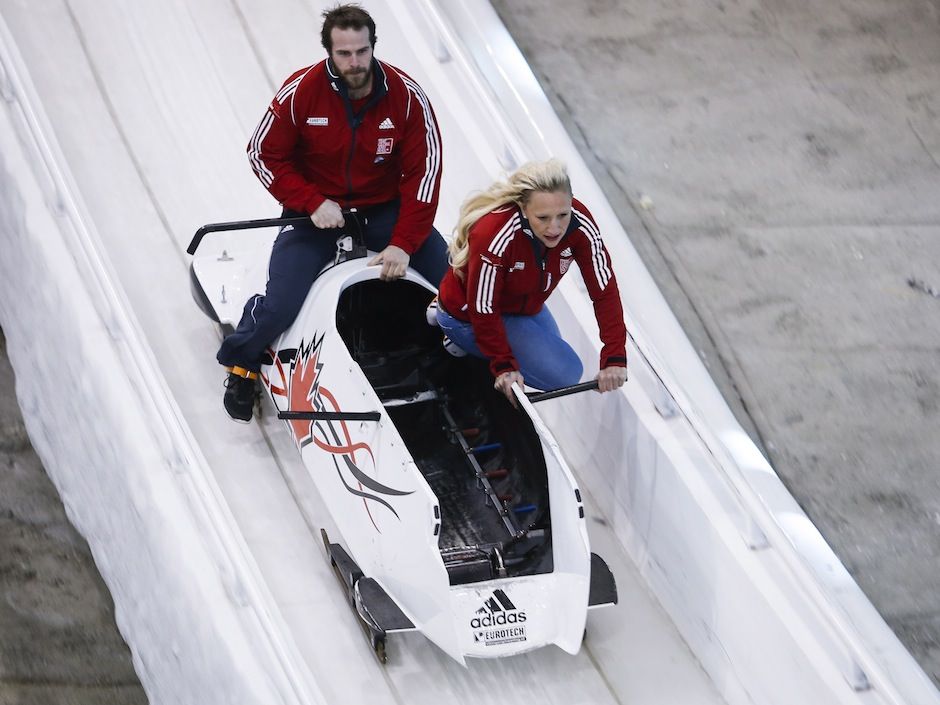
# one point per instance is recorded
(298, 256)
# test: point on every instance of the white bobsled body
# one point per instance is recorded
(459, 509)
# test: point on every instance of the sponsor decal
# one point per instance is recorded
(567, 252)
(498, 621)
(287, 228)
(387, 124)
(300, 370)
(318, 121)
(517, 266)
(384, 145)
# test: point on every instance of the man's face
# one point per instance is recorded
(352, 56)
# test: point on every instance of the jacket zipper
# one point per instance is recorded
(356, 121)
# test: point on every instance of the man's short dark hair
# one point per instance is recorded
(348, 16)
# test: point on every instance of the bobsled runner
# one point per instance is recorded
(459, 516)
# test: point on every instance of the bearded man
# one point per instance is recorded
(348, 132)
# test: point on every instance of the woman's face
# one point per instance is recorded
(549, 213)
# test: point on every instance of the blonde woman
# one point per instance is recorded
(514, 242)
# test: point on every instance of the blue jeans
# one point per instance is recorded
(545, 360)
(300, 252)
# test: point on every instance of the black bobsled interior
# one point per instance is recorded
(481, 457)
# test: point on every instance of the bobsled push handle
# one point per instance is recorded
(348, 213)
(352, 245)
(330, 415)
(241, 225)
(563, 391)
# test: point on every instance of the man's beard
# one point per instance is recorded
(357, 79)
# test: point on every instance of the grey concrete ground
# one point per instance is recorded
(777, 164)
(58, 641)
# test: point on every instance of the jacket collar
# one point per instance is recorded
(379, 80)
(379, 89)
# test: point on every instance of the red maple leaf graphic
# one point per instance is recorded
(304, 389)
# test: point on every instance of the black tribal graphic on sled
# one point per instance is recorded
(305, 393)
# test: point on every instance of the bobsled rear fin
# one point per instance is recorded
(603, 590)
(377, 607)
(200, 296)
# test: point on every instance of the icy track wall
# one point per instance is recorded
(187, 596)
(757, 595)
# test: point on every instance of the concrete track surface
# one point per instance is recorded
(777, 164)
(58, 641)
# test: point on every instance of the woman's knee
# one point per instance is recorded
(459, 333)
(568, 370)
(558, 366)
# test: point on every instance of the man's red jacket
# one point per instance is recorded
(314, 143)
(510, 272)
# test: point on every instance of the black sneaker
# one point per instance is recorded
(240, 395)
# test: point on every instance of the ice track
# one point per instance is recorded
(146, 108)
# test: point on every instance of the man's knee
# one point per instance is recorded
(279, 316)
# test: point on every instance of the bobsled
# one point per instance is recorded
(457, 514)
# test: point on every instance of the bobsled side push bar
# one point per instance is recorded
(329, 415)
(563, 391)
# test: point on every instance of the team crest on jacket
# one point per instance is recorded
(384, 145)
(564, 264)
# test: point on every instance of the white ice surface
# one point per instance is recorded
(152, 110)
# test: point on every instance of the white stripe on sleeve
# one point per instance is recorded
(504, 236)
(602, 272)
(254, 155)
(432, 160)
(485, 287)
(288, 88)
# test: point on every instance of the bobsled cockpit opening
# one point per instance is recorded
(481, 457)
(385, 330)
